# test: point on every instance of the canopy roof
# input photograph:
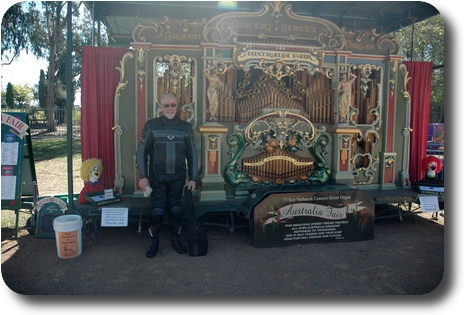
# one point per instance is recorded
(121, 17)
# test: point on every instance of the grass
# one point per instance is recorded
(9, 220)
(51, 168)
(54, 148)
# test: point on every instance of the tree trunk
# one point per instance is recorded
(54, 33)
(51, 125)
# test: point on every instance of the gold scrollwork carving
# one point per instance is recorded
(370, 162)
(289, 130)
(404, 90)
(279, 69)
(141, 60)
(393, 75)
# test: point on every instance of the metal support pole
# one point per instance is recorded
(412, 37)
(69, 105)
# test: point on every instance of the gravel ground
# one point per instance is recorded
(404, 258)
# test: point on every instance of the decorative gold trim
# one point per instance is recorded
(345, 130)
(278, 157)
(405, 91)
(175, 69)
(213, 129)
(278, 63)
(393, 75)
(141, 64)
(117, 128)
(274, 23)
(289, 129)
(354, 40)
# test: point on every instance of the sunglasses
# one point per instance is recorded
(167, 105)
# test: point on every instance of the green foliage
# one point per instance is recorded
(9, 95)
(43, 32)
(20, 96)
(16, 25)
(37, 115)
(426, 42)
(23, 95)
(42, 90)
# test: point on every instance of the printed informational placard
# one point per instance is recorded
(114, 217)
(309, 217)
(8, 184)
(18, 167)
(429, 203)
(10, 152)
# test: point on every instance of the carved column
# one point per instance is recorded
(343, 137)
(388, 161)
(213, 181)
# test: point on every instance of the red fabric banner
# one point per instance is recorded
(419, 88)
(99, 79)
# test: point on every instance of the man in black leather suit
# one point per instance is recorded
(166, 143)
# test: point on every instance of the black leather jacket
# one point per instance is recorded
(165, 144)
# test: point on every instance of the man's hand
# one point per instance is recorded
(143, 183)
(191, 185)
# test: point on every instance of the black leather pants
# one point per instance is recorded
(167, 194)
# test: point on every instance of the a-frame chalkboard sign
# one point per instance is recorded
(18, 169)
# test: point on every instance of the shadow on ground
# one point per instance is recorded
(404, 258)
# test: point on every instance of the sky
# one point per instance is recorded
(24, 70)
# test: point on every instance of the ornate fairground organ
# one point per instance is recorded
(276, 100)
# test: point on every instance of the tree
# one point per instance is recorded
(42, 90)
(49, 28)
(16, 25)
(23, 95)
(9, 95)
(46, 33)
(428, 44)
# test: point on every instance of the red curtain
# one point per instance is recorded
(419, 88)
(99, 79)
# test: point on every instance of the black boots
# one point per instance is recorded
(175, 239)
(154, 241)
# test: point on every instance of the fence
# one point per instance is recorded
(38, 121)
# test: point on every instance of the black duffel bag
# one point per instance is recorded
(197, 236)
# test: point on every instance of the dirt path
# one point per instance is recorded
(404, 258)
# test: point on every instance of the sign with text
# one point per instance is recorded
(429, 203)
(114, 217)
(18, 168)
(244, 57)
(310, 217)
(48, 209)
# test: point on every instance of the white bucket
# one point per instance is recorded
(68, 232)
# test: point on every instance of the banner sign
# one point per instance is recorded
(283, 61)
(17, 125)
(309, 217)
